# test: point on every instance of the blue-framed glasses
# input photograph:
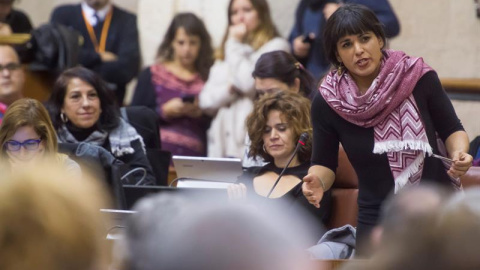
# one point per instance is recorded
(29, 145)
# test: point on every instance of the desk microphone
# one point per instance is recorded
(300, 143)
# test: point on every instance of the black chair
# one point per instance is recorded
(146, 122)
(102, 164)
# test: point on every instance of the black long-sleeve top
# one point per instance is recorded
(373, 170)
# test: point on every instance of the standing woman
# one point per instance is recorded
(229, 91)
(172, 84)
(390, 113)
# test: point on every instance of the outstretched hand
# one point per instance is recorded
(312, 189)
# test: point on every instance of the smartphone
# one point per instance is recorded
(188, 98)
(307, 39)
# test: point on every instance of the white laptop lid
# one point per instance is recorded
(208, 169)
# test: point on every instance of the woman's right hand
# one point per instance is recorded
(173, 108)
(312, 189)
(237, 31)
(300, 48)
(237, 192)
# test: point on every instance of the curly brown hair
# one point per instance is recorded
(295, 110)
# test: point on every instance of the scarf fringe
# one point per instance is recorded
(403, 178)
(120, 151)
(396, 146)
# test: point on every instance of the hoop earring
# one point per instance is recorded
(64, 118)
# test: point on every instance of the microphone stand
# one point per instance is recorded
(299, 144)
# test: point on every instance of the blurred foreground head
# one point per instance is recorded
(171, 232)
(50, 221)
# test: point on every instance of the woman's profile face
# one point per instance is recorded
(242, 11)
(185, 47)
(278, 137)
(25, 145)
(361, 54)
(81, 104)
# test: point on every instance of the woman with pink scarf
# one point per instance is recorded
(389, 112)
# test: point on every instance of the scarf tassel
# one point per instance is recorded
(404, 177)
(397, 146)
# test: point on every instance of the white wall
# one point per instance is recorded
(446, 33)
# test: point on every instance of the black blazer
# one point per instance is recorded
(122, 40)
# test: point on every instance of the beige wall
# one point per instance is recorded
(446, 33)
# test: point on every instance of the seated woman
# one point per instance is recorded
(83, 110)
(279, 70)
(172, 84)
(27, 137)
(275, 126)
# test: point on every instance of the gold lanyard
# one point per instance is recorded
(103, 37)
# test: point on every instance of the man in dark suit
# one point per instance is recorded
(111, 40)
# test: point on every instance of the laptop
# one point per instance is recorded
(135, 193)
(203, 172)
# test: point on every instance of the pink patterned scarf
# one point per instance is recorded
(390, 108)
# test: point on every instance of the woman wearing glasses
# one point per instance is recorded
(27, 137)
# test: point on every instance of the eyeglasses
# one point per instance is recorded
(29, 145)
(10, 67)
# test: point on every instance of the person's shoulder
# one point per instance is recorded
(19, 14)
(67, 8)
(118, 11)
(276, 43)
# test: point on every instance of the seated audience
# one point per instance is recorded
(51, 221)
(111, 47)
(83, 110)
(175, 233)
(274, 127)
(12, 78)
(229, 92)
(279, 70)
(27, 138)
(13, 21)
(171, 86)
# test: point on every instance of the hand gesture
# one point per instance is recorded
(173, 108)
(300, 48)
(460, 165)
(312, 189)
(237, 31)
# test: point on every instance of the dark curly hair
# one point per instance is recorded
(296, 112)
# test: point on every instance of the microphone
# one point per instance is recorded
(300, 143)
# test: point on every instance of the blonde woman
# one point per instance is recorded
(27, 137)
(229, 91)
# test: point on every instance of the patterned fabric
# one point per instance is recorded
(390, 108)
(181, 136)
(120, 138)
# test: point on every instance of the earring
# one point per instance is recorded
(64, 118)
(340, 69)
(264, 149)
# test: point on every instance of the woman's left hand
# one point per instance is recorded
(461, 163)
(237, 31)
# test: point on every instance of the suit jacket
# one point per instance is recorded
(122, 40)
